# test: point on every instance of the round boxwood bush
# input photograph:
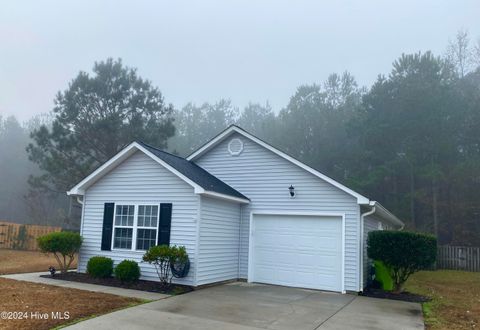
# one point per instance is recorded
(100, 267)
(127, 271)
(402, 252)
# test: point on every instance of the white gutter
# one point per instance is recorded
(387, 215)
(79, 201)
(362, 243)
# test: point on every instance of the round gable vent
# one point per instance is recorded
(235, 147)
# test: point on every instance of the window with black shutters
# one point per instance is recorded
(135, 226)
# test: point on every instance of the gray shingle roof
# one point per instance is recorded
(194, 172)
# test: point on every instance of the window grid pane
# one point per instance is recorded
(123, 238)
(124, 215)
(145, 238)
(147, 216)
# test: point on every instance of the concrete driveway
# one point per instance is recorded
(258, 306)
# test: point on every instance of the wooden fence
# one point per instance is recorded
(458, 258)
(22, 237)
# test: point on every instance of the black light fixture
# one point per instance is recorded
(291, 189)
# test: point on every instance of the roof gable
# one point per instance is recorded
(235, 129)
(202, 181)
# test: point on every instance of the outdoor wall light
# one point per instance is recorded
(291, 189)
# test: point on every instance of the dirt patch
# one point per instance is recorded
(141, 285)
(15, 261)
(38, 306)
(404, 296)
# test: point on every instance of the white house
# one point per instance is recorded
(242, 208)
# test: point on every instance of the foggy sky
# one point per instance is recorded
(202, 51)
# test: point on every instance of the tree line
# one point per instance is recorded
(410, 141)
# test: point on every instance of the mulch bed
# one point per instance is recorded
(404, 296)
(142, 285)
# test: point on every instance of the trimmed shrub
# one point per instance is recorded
(163, 257)
(403, 253)
(127, 271)
(63, 245)
(100, 267)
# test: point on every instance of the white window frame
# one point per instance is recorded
(135, 226)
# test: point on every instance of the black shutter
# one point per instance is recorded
(164, 224)
(107, 226)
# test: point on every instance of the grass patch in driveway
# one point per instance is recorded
(34, 299)
(455, 298)
(15, 261)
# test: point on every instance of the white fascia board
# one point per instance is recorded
(198, 189)
(225, 197)
(79, 189)
(213, 142)
(386, 214)
(360, 199)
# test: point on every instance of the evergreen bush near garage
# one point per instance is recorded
(403, 253)
(100, 267)
(127, 271)
(64, 245)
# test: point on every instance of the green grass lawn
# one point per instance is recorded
(455, 298)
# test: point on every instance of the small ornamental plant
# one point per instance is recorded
(163, 257)
(403, 253)
(100, 267)
(127, 271)
(63, 245)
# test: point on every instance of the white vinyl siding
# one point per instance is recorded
(218, 241)
(264, 177)
(142, 181)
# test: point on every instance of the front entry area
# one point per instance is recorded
(303, 251)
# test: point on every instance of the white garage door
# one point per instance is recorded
(299, 251)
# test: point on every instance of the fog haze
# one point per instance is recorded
(202, 51)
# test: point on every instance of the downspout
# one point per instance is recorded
(79, 201)
(362, 244)
(239, 240)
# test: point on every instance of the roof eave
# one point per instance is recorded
(214, 194)
(232, 128)
(386, 214)
(80, 188)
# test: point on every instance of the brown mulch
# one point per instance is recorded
(15, 261)
(34, 303)
(142, 285)
(403, 296)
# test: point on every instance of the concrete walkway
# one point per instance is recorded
(244, 306)
(35, 277)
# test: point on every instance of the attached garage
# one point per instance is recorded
(300, 250)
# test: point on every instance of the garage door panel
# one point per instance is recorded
(301, 251)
